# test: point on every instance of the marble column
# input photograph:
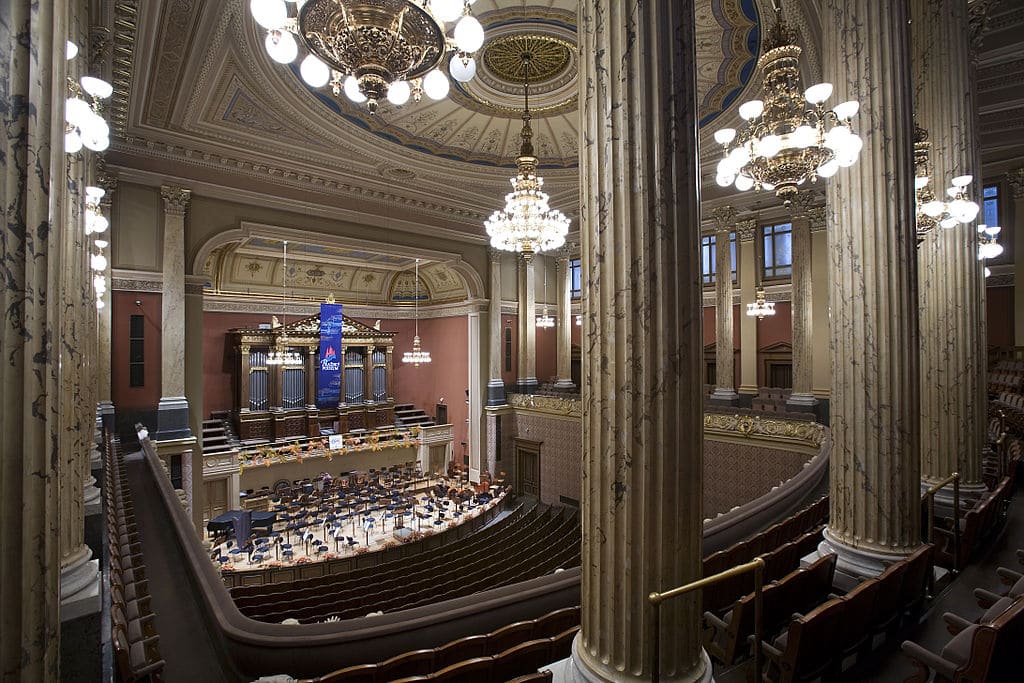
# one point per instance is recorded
(802, 397)
(475, 403)
(821, 375)
(563, 352)
(1015, 182)
(527, 381)
(875, 463)
(103, 370)
(32, 92)
(950, 276)
(642, 417)
(172, 413)
(725, 383)
(194, 391)
(746, 264)
(495, 384)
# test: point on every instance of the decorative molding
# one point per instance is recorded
(725, 217)
(136, 281)
(547, 405)
(999, 280)
(1015, 179)
(231, 304)
(176, 200)
(808, 435)
(803, 203)
(816, 219)
(745, 230)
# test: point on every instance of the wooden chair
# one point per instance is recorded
(412, 663)
(136, 661)
(885, 617)
(914, 587)
(553, 623)
(980, 652)
(854, 632)
(456, 651)
(1015, 580)
(360, 673)
(537, 677)
(808, 649)
(525, 658)
(470, 671)
(509, 636)
(561, 645)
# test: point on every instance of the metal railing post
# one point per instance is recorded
(956, 521)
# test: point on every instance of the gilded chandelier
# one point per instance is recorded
(417, 356)
(789, 137)
(372, 49)
(282, 355)
(761, 307)
(527, 224)
(932, 212)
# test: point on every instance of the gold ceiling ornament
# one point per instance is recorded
(932, 212)
(549, 57)
(789, 137)
(372, 49)
(527, 224)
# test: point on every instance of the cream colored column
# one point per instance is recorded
(194, 392)
(642, 417)
(495, 384)
(563, 353)
(747, 265)
(875, 466)
(950, 276)
(821, 376)
(802, 309)
(527, 325)
(172, 415)
(476, 437)
(725, 383)
(106, 406)
(1015, 181)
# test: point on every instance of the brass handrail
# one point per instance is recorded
(656, 598)
(953, 479)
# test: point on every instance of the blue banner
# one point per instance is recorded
(328, 384)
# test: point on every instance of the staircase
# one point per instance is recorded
(408, 415)
(217, 435)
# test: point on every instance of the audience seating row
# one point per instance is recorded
(818, 641)
(975, 525)
(519, 649)
(133, 634)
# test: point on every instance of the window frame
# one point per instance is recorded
(136, 365)
(774, 275)
(710, 243)
(576, 278)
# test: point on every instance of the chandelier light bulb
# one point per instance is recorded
(805, 136)
(97, 87)
(436, 85)
(579, 320)
(771, 145)
(751, 110)
(744, 183)
(987, 271)
(398, 93)
(99, 304)
(462, 69)
(828, 169)
(933, 209)
(469, 34)
(76, 111)
(846, 110)
(948, 223)
(98, 262)
(962, 181)
(921, 182)
(817, 94)
(447, 10)
(281, 46)
(314, 72)
(96, 223)
(725, 136)
(95, 193)
(270, 14)
(72, 141)
(992, 230)
(94, 127)
(96, 143)
(101, 244)
(352, 90)
(71, 50)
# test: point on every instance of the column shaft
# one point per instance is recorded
(563, 353)
(1015, 181)
(528, 324)
(172, 416)
(874, 337)
(822, 360)
(495, 384)
(747, 265)
(725, 382)
(802, 308)
(950, 277)
(642, 418)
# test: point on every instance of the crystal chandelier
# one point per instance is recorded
(988, 246)
(789, 137)
(96, 223)
(282, 355)
(417, 356)
(84, 124)
(579, 320)
(372, 49)
(527, 224)
(761, 307)
(544, 320)
(932, 212)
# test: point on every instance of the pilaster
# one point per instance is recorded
(563, 352)
(725, 384)
(802, 307)
(172, 412)
(527, 324)
(821, 362)
(495, 384)
(746, 263)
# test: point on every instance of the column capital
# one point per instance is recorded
(979, 12)
(1016, 180)
(816, 219)
(725, 218)
(803, 203)
(494, 254)
(745, 230)
(176, 200)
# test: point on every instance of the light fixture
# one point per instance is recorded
(95, 221)
(988, 247)
(85, 126)
(282, 355)
(372, 49)
(417, 356)
(579, 320)
(527, 224)
(761, 307)
(932, 212)
(789, 137)
(544, 320)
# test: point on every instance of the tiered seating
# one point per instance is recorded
(546, 542)
(134, 638)
(816, 642)
(976, 525)
(513, 651)
(408, 415)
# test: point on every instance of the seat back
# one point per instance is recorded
(915, 578)
(811, 645)
(459, 650)
(509, 636)
(413, 663)
(561, 644)
(525, 658)
(469, 671)
(360, 673)
(860, 606)
(556, 622)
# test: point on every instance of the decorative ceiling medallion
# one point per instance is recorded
(549, 57)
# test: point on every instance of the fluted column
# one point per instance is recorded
(32, 184)
(642, 414)
(950, 277)
(1015, 181)
(821, 362)
(802, 397)
(495, 384)
(563, 352)
(105, 404)
(875, 467)
(725, 383)
(172, 415)
(527, 381)
(746, 265)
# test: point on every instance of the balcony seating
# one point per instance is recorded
(974, 526)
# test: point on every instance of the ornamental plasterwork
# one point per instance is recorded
(809, 434)
(745, 230)
(549, 405)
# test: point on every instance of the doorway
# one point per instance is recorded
(527, 468)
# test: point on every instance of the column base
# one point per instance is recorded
(91, 496)
(106, 413)
(575, 669)
(565, 384)
(527, 385)
(855, 564)
(80, 589)
(801, 400)
(172, 419)
(496, 393)
(724, 396)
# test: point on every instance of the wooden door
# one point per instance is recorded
(527, 471)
